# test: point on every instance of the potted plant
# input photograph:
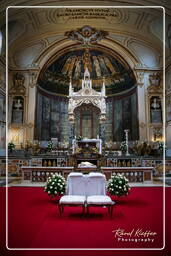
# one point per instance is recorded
(118, 185)
(123, 147)
(161, 147)
(50, 146)
(11, 146)
(79, 138)
(55, 185)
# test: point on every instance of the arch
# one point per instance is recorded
(55, 50)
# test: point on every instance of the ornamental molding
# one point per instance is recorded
(155, 83)
(142, 125)
(86, 35)
(87, 95)
(18, 87)
(140, 78)
(33, 76)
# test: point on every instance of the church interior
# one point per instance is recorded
(88, 89)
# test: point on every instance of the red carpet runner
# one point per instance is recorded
(34, 221)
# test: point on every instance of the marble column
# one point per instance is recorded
(102, 132)
(71, 133)
(141, 95)
(31, 107)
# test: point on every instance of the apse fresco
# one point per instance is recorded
(100, 64)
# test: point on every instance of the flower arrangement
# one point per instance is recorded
(78, 150)
(79, 138)
(161, 146)
(95, 150)
(118, 185)
(55, 185)
(123, 146)
(50, 145)
(11, 146)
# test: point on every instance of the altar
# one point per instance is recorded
(94, 145)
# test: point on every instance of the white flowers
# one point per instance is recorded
(118, 185)
(55, 184)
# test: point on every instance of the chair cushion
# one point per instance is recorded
(99, 199)
(72, 199)
(95, 174)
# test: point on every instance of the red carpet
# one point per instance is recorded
(34, 222)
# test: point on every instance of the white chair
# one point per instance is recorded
(96, 192)
(75, 192)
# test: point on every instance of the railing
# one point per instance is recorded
(40, 174)
(133, 174)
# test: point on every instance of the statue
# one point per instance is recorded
(155, 104)
(18, 80)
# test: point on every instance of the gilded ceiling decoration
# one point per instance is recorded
(86, 35)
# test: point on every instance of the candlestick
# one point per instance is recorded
(126, 140)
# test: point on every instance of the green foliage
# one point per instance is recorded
(50, 145)
(118, 185)
(11, 146)
(79, 138)
(161, 146)
(55, 185)
(123, 146)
